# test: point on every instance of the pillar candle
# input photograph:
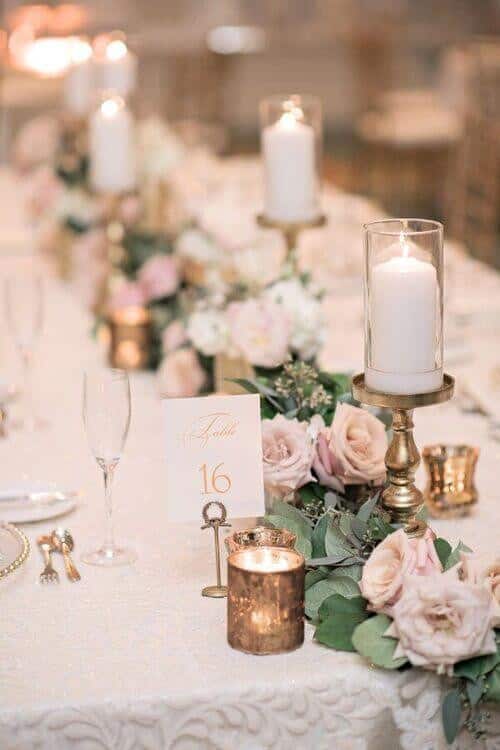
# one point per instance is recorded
(291, 184)
(404, 322)
(117, 68)
(79, 80)
(112, 152)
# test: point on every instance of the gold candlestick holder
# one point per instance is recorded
(401, 498)
(290, 231)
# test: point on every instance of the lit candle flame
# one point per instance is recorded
(110, 107)
(116, 50)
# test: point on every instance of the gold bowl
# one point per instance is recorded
(451, 491)
(260, 536)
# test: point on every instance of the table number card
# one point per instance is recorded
(214, 452)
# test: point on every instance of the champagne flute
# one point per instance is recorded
(23, 300)
(106, 416)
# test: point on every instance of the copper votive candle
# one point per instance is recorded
(260, 536)
(450, 491)
(130, 333)
(265, 602)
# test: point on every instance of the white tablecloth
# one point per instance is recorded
(134, 657)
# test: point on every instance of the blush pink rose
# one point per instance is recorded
(159, 277)
(173, 336)
(483, 570)
(352, 450)
(181, 375)
(128, 294)
(260, 331)
(288, 451)
(396, 557)
(36, 142)
(440, 620)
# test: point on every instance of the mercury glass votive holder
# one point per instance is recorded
(404, 306)
(260, 536)
(450, 491)
(265, 602)
(130, 338)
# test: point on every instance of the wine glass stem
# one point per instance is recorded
(28, 403)
(109, 540)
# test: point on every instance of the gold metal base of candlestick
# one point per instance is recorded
(401, 498)
(290, 231)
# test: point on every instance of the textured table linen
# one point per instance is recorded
(134, 657)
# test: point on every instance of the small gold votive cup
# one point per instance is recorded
(265, 601)
(130, 338)
(260, 536)
(451, 491)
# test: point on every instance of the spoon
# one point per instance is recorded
(63, 542)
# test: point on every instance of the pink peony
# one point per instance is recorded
(288, 451)
(159, 277)
(352, 450)
(483, 570)
(173, 336)
(260, 330)
(395, 557)
(128, 294)
(181, 375)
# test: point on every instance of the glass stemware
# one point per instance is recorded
(24, 305)
(106, 416)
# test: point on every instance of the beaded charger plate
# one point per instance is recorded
(14, 549)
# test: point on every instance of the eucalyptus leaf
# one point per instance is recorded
(290, 511)
(332, 500)
(359, 528)
(473, 668)
(316, 562)
(318, 537)
(443, 549)
(336, 542)
(370, 641)
(345, 523)
(337, 603)
(337, 629)
(475, 691)
(367, 508)
(454, 557)
(303, 543)
(313, 576)
(316, 594)
(351, 571)
(451, 712)
(493, 686)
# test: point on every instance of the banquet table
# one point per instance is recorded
(134, 657)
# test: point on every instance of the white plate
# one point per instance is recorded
(52, 501)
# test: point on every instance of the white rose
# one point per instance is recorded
(208, 331)
(159, 149)
(76, 204)
(305, 313)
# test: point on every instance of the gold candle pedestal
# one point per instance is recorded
(260, 536)
(401, 498)
(265, 603)
(451, 491)
(130, 338)
(290, 231)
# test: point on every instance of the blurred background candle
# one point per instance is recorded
(404, 329)
(116, 66)
(79, 80)
(112, 155)
(289, 149)
(265, 612)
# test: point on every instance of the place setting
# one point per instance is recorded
(248, 431)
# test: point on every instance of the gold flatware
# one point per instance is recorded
(48, 574)
(63, 542)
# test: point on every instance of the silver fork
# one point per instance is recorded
(48, 574)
